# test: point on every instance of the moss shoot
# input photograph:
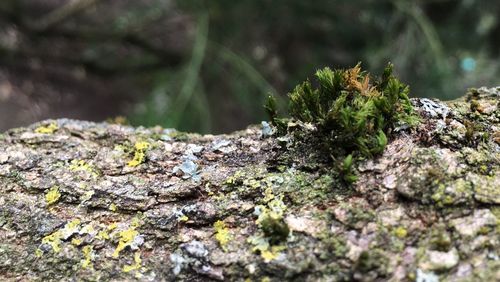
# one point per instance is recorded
(352, 112)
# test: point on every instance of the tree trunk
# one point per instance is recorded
(97, 201)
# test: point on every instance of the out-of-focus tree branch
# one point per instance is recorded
(62, 13)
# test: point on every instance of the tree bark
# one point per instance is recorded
(98, 201)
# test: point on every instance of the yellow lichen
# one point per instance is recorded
(81, 165)
(54, 240)
(268, 195)
(112, 207)
(112, 226)
(139, 153)
(400, 232)
(88, 229)
(38, 253)
(102, 235)
(87, 256)
(87, 195)
(49, 129)
(76, 241)
(126, 239)
(268, 255)
(267, 252)
(183, 218)
(52, 195)
(136, 265)
(70, 228)
(222, 234)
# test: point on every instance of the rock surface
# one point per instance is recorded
(88, 201)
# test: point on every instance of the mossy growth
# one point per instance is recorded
(352, 112)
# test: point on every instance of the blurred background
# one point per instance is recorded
(207, 66)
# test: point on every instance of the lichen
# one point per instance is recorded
(400, 232)
(112, 207)
(47, 129)
(267, 251)
(52, 195)
(222, 234)
(128, 238)
(82, 165)
(54, 241)
(88, 255)
(140, 149)
(136, 265)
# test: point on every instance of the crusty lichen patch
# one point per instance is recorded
(52, 196)
(222, 234)
(82, 165)
(140, 149)
(47, 129)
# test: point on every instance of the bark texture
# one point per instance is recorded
(97, 201)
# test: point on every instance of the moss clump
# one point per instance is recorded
(351, 111)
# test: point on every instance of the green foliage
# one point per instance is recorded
(350, 110)
(346, 171)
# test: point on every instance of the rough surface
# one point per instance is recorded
(87, 201)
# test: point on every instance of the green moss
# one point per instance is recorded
(373, 260)
(353, 113)
(334, 246)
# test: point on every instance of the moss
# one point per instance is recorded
(334, 246)
(274, 227)
(352, 112)
(346, 170)
(373, 260)
(440, 239)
